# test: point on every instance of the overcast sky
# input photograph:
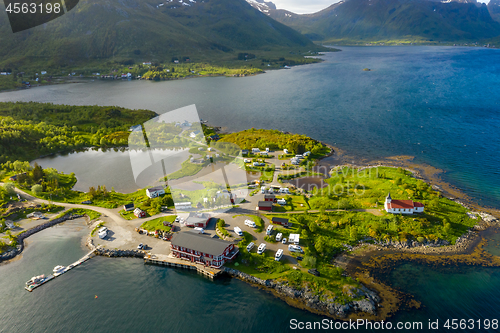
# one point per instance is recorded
(310, 6)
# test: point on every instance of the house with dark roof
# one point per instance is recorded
(281, 221)
(265, 205)
(197, 220)
(402, 206)
(202, 249)
(270, 197)
(154, 192)
(128, 207)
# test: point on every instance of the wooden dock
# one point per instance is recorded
(170, 261)
(80, 261)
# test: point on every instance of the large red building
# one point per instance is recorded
(199, 220)
(202, 249)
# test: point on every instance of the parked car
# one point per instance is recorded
(250, 246)
(299, 258)
(261, 248)
(238, 231)
(281, 202)
(140, 246)
(284, 241)
(199, 230)
(313, 271)
(246, 160)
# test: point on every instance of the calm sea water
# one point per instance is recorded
(134, 297)
(439, 104)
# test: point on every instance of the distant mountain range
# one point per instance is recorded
(149, 30)
(393, 20)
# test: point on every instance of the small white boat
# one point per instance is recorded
(58, 270)
(287, 67)
(35, 280)
(103, 232)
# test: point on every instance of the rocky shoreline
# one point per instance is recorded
(116, 253)
(368, 300)
(22, 236)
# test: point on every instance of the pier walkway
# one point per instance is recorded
(80, 261)
(169, 260)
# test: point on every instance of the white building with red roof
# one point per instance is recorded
(402, 206)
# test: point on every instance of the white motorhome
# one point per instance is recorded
(262, 248)
(278, 255)
(269, 230)
(250, 223)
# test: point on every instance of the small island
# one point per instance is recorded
(297, 227)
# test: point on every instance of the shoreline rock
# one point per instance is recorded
(22, 236)
(368, 303)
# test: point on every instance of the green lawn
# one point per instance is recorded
(127, 215)
(157, 224)
(258, 221)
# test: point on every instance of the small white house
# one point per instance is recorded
(154, 192)
(193, 134)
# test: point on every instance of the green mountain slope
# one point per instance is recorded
(494, 9)
(144, 31)
(386, 20)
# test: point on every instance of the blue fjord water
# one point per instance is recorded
(439, 104)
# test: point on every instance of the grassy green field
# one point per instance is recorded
(157, 224)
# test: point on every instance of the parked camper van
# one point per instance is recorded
(250, 223)
(278, 255)
(262, 248)
(250, 246)
(278, 237)
(269, 230)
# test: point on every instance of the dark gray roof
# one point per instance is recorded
(279, 219)
(156, 188)
(265, 203)
(269, 196)
(201, 243)
(197, 218)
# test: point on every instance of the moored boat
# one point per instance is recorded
(36, 280)
(58, 270)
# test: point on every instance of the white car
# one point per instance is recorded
(295, 248)
(199, 230)
(246, 160)
(250, 246)
(284, 241)
(281, 202)
(261, 248)
(237, 230)
(278, 255)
